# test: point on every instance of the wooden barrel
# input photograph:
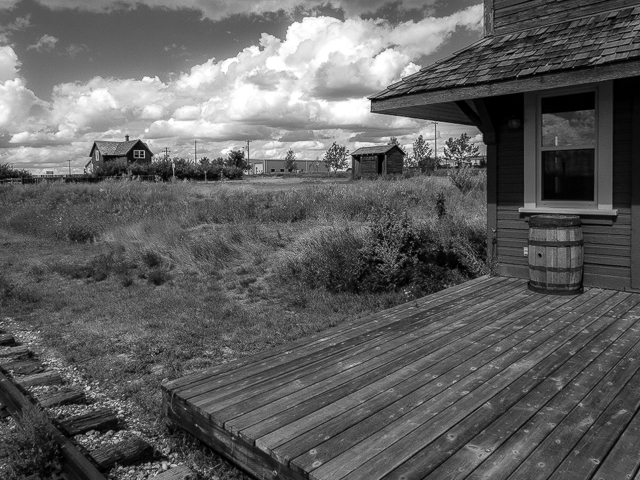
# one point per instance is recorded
(555, 254)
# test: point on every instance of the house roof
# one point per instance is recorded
(116, 148)
(523, 61)
(375, 150)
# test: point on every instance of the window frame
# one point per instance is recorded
(136, 155)
(603, 195)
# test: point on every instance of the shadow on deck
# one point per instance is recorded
(485, 380)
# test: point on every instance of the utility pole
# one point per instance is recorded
(435, 141)
(69, 167)
(247, 147)
(195, 152)
(166, 153)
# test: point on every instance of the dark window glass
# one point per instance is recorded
(569, 120)
(568, 175)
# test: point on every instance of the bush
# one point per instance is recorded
(30, 449)
(466, 178)
(325, 257)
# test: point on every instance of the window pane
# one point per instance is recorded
(568, 175)
(569, 120)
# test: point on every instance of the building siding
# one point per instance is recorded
(517, 15)
(607, 243)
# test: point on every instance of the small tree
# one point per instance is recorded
(290, 161)
(336, 157)
(460, 149)
(423, 155)
(236, 159)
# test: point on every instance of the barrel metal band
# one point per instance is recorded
(568, 286)
(543, 243)
(555, 269)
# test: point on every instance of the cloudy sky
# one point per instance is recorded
(280, 73)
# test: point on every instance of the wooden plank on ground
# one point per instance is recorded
(102, 419)
(14, 353)
(76, 465)
(475, 438)
(7, 340)
(22, 367)
(180, 472)
(38, 379)
(69, 397)
(434, 373)
(355, 327)
(379, 454)
(127, 452)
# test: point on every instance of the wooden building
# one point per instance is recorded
(108, 151)
(378, 160)
(554, 86)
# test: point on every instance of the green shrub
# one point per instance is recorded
(30, 448)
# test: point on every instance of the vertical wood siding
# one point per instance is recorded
(394, 162)
(607, 244)
(517, 15)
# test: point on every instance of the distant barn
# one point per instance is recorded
(378, 160)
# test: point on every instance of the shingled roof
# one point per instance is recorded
(608, 39)
(375, 150)
(115, 148)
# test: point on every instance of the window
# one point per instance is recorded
(137, 154)
(568, 151)
(273, 170)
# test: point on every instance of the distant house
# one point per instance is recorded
(378, 160)
(107, 151)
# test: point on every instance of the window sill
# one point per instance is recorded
(569, 211)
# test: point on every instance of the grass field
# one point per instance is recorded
(137, 283)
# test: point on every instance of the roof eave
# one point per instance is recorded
(440, 104)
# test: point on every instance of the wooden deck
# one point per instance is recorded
(485, 380)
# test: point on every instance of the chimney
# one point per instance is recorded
(126, 138)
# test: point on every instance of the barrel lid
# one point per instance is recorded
(555, 221)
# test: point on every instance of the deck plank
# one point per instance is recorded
(230, 389)
(562, 439)
(482, 432)
(402, 437)
(484, 381)
(434, 371)
(406, 350)
(515, 451)
(623, 459)
(318, 340)
(228, 383)
(592, 448)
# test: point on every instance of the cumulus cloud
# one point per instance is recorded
(302, 91)
(20, 23)
(9, 64)
(45, 44)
